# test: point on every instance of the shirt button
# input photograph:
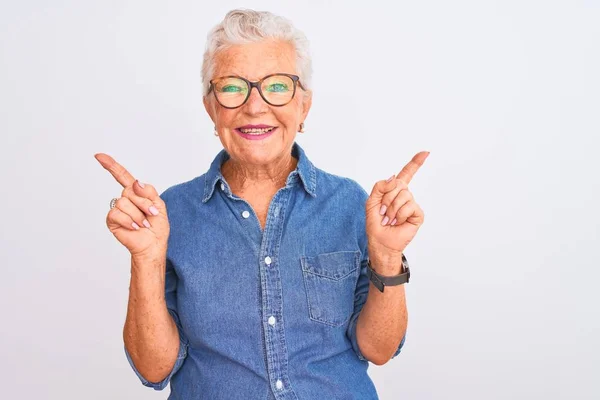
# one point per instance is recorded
(268, 260)
(279, 384)
(272, 320)
(222, 186)
(245, 214)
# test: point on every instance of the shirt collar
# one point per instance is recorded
(304, 169)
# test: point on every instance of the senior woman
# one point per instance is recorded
(265, 277)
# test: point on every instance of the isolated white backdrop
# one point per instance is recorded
(505, 94)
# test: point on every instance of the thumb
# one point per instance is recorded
(147, 191)
(383, 187)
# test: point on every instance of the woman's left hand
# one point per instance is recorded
(392, 215)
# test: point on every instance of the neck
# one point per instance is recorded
(241, 176)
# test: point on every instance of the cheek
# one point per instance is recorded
(225, 117)
(287, 119)
(290, 114)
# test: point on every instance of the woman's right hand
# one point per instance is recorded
(139, 219)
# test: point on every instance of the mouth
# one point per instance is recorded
(255, 131)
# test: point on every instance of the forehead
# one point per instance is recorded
(256, 60)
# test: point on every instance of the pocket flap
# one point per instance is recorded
(335, 265)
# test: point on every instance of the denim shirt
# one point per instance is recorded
(267, 314)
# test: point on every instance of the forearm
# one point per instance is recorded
(383, 319)
(150, 334)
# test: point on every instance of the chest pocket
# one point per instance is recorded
(330, 282)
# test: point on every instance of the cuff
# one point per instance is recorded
(352, 336)
(162, 384)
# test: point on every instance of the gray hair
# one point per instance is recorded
(246, 26)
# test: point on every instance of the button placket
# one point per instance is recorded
(274, 331)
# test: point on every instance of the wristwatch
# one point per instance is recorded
(381, 281)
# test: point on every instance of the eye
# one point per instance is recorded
(277, 87)
(231, 89)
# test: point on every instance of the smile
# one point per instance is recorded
(255, 132)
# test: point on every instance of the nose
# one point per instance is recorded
(255, 104)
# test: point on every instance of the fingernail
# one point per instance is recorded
(141, 184)
(146, 223)
(390, 178)
(385, 220)
(393, 222)
(135, 226)
(382, 209)
(153, 210)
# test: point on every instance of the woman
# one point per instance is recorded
(255, 284)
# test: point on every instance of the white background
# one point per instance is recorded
(503, 301)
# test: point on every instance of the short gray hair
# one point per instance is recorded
(246, 26)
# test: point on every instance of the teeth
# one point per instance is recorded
(256, 131)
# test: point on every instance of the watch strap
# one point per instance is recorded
(381, 281)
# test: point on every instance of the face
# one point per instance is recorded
(254, 61)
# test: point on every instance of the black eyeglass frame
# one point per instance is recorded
(257, 85)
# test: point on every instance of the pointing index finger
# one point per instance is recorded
(117, 170)
(412, 167)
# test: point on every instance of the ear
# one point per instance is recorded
(209, 108)
(306, 103)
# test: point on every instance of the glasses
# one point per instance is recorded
(276, 89)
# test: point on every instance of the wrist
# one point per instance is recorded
(154, 262)
(387, 268)
(386, 262)
(382, 277)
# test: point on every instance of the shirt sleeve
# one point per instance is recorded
(360, 298)
(171, 299)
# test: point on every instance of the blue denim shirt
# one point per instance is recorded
(267, 314)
